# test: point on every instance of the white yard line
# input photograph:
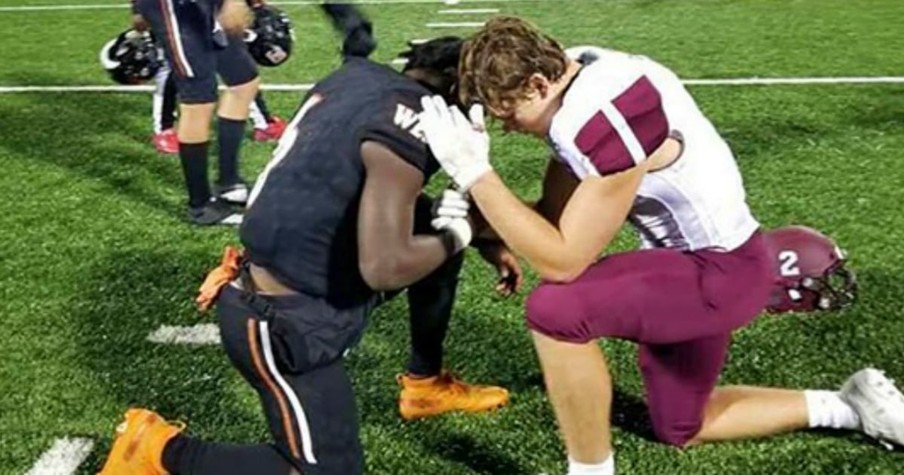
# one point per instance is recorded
(472, 11)
(63, 458)
(201, 334)
(307, 86)
(124, 5)
(459, 24)
(757, 81)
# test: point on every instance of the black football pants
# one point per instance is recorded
(290, 350)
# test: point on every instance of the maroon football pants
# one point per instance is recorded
(680, 307)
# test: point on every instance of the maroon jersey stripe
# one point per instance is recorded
(599, 141)
(641, 105)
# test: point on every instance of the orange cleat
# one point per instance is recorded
(425, 397)
(138, 446)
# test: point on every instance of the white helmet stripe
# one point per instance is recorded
(105, 59)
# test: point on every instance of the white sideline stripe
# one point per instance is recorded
(201, 334)
(110, 6)
(472, 11)
(63, 458)
(307, 87)
(792, 81)
(400, 61)
(460, 24)
(418, 41)
(113, 88)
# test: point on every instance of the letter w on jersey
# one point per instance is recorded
(626, 130)
(407, 119)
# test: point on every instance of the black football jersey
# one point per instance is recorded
(302, 221)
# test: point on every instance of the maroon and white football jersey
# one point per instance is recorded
(616, 113)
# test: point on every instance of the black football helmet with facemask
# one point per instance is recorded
(131, 58)
(270, 37)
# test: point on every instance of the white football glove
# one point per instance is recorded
(461, 146)
(450, 215)
(453, 204)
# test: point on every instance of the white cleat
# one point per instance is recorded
(236, 194)
(879, 404)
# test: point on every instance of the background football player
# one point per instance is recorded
(267, 127)
(202, 40)
(336, 225)
(631, 145)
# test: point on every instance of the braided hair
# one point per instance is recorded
(435, 65)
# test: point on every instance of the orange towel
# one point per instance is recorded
(216, 279)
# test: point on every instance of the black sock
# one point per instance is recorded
(230, 139)
(262, 106)
(185, 455)
(168, 111)
(194, 166)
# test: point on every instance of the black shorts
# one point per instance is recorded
(290, 350)
(185, 29)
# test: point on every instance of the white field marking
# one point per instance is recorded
(460, 24)
(124, 5)
(418, 41)
(757, 81)
(307, 87)
(472, 11)
(63, 458)
(201, 334)
(107, 88)
(400, 61)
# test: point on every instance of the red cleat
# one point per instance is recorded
(167, 142)
(274, 131)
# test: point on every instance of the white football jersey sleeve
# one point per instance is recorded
(617, 111)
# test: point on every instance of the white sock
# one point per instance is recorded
(605, 468)
(827, 409)
(257, 117)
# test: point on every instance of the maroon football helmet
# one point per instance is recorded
(810, 272)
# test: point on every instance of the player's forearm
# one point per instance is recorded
(403, 265)
(524, 230)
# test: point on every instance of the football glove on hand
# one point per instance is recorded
(461, 146)
(453, 204)
(451, 216)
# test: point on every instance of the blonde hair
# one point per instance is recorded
(497, 62)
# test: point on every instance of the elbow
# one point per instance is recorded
(381, 274)
(561, 272)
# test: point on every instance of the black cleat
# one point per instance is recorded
(215, 212)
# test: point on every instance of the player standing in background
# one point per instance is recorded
(630, 144)
(357, 31)
(267, 127)
(202, 39)
(336, 225)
